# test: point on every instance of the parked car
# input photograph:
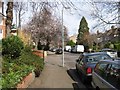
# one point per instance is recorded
(110, 52)
(53, 49)
(86, 62)
(59, 51)
(106, 74)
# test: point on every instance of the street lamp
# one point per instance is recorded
(63, 36)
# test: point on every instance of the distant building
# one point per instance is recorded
(111, 35)
(73, 38)
(2, 21)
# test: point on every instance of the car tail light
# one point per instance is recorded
(89, 70)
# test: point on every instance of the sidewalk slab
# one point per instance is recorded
(53, 75)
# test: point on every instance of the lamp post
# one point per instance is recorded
(63, 36)
(62, 40)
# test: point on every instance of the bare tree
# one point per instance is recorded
(106, 12)
(46, 28)
(20, 9)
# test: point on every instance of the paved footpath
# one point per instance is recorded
(53, 75)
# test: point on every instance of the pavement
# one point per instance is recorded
(53, 74)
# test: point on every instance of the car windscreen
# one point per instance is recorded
(97, 57)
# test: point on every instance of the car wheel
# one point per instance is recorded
(97, 88)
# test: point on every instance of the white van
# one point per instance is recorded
(79, 48)
(67, 48)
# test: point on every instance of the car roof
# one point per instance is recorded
(107, 49)
(95, 53)
(115, 61)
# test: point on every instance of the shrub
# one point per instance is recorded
(13, 71)
(117, 46)
(31, 59)
(39, 46)
(14, 75)
(27, 48)
(12, 46)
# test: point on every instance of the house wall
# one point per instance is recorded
(73, 38)
(2, 23)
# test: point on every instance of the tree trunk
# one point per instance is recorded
(9, 17)
(19, 17)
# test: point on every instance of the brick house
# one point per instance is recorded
(111, 35)
(2, 22)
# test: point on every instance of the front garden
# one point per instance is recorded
(18, 62)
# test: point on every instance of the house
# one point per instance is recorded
(111, 35)
(73, 38)
(2, 22)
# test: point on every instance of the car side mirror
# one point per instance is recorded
(77, 60)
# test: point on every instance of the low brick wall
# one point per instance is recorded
(26, 81)
(40, 53)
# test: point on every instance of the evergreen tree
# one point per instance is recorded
(83, 33)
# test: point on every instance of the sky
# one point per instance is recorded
(71, 18)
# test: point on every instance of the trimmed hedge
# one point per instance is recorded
(14, 70)
(12, 46)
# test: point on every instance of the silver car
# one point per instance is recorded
(110, 52)
(106, 74)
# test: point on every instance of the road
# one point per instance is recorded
(70, 60)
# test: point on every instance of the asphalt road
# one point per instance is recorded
(70, 60)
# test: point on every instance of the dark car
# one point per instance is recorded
(53, 49)
(86, 62)
(59, 51)
(106, 74)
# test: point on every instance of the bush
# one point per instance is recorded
(12, 46)
(27, 48)
(34, 60)
(13, 71)
(117, 46)
(39, 46)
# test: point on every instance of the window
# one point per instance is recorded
(0, 31)
(96, 58)
(100, 69)
(113, 75)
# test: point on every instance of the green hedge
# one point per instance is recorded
(12, 74)
(13, 71)
(117, 46)
(12, 46)
(18, 61)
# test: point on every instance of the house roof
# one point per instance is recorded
(111, 32)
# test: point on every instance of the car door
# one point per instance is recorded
(113, 76)
(99, 75)
(82, 66)
(78, 61)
